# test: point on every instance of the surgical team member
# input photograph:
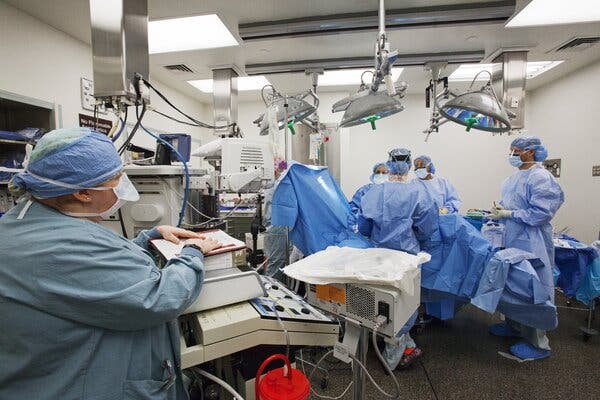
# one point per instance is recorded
(530, 198)
(276, 244)
(86, 313)
(398, 215)
(379, 175)
(443, 192)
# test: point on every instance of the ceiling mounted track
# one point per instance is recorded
(434, 16)
(457, 57)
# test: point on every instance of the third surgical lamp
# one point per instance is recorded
(475, 109)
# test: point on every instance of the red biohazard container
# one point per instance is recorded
(284, 383)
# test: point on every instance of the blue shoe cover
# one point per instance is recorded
(504, 330)
(525, 351)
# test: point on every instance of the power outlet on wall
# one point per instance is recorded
(596, 170)
(88, 101)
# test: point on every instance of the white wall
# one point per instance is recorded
(565, 115)
(41, 62)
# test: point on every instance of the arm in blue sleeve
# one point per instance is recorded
(356, 199)
(365, 225)
(544, 199)
(144, 236)
(118, 287)
(453, 201)
(284, 208)
(425, 218)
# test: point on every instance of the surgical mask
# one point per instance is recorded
(421, 173)
(515, 161)
(380, 178)
(125, 191)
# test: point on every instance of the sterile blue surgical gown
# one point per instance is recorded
(309, 202)
(355, 202)
(442, 192)
(534, 196)
(398, 216)
(85, 313)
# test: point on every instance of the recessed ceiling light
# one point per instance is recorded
(350, 77)
(556, 12)
(466, 72)
(245, 83)
(188, 33)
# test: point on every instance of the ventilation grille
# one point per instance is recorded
(178, 68)
(251, 155)
(360, 302)
(578, 44)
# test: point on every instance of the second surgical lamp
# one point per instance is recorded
(374, 101)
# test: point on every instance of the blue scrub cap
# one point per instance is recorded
(428, 162)
(65, 161)
(531, 143)
(398, 167)
(380, 164)
(400, 154)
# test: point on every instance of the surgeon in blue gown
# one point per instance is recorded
(86, 313)
(379, 175)
(530, 199)
(399, 215)
(441, 190)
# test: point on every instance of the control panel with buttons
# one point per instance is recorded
(286, 303)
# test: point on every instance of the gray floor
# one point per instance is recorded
(462, 362)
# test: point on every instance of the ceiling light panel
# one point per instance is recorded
(189, 33)
(346, 77)
(245, 83)
(556, 12)
(466, 72)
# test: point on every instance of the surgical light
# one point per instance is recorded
(188, 33)
(556, 12)
(288, 110)
(381, 97)
(475, 109)
(245, 83)
(367, 107)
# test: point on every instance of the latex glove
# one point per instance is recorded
(173, 234)
(443, 211)
(499, 212)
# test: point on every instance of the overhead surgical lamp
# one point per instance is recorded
(288, 109)
(367, 106)
(475, 109)
(373, 102)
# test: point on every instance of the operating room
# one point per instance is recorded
(275, 199)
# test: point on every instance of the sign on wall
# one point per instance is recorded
(98, 124)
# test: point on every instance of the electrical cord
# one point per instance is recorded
(200, 124)
(360, 364)
(185, 166)
(380, 322)
(123, 122)
(429, 380)
(176, 120)
(303, 361)
(135, 128)
(219, 381)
